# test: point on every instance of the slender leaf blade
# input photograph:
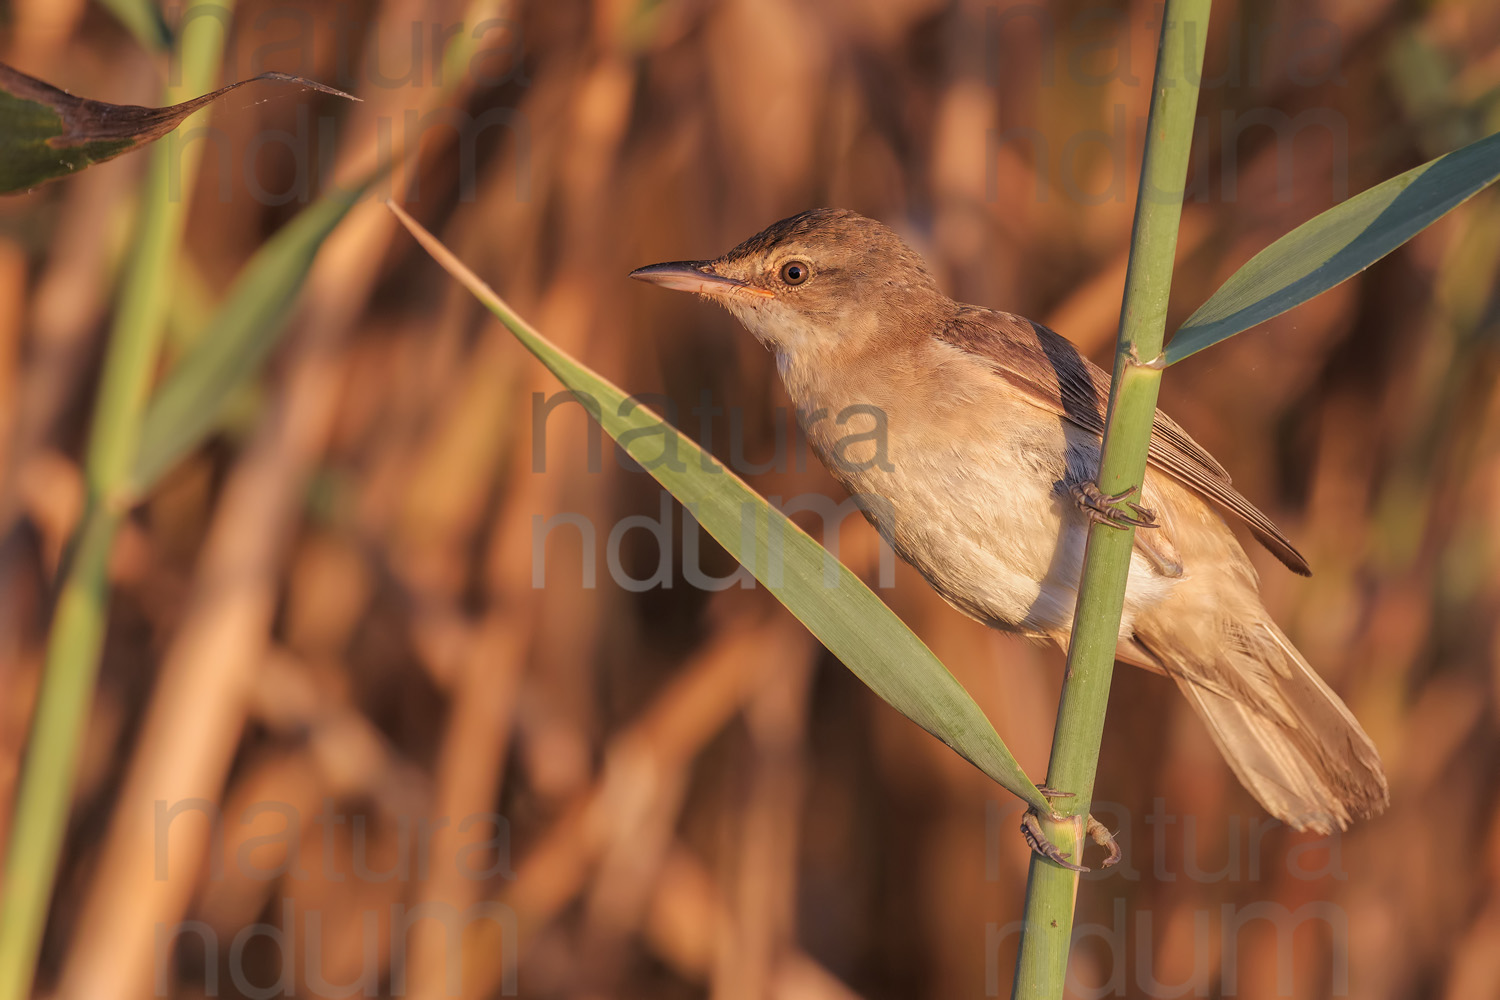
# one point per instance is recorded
(1338, 244)
(239, 338)
(47, 133)
(834, 604)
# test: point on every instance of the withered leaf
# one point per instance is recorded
(46, 133)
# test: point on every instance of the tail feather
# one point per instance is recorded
(1290, 740)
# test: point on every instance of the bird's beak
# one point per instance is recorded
(695, 276)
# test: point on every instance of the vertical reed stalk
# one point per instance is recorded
(76, 638)
(1051, 891)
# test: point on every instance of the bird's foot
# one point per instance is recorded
(1101, 835)
(1031, 829)
(1100, 508)
(1036, 838)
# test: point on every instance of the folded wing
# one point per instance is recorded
(1051, 373)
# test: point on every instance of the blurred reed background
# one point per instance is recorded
(335, 711)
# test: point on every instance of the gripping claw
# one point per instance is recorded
(1036, 839)
(1100, 508)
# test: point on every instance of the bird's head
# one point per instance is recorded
(819, 283)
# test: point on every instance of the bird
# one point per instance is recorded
(971, 437)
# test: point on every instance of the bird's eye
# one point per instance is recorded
(795, 272)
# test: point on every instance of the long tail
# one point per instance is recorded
(1290, 740)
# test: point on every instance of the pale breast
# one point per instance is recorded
(967, 485)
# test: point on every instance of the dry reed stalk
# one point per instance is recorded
(690, 711)
(761, 926)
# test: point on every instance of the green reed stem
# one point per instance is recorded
(1051, 891)
(76, 638)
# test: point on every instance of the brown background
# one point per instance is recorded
(325, 625)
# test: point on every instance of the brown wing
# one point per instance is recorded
(1052, 372)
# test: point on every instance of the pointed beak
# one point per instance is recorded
(695, 276)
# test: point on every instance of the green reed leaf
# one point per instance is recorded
(230, 351)
(821, 592)
(47, 133)
(1338, 244)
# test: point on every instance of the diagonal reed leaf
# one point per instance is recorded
(832, 602)
(1338, 244)
(188, 405)
(46, 133)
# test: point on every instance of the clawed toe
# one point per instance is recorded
(1031, 829)
(1101, 835)
(1100, 508)
(1036, 839)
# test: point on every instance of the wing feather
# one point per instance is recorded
(1056, 377)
